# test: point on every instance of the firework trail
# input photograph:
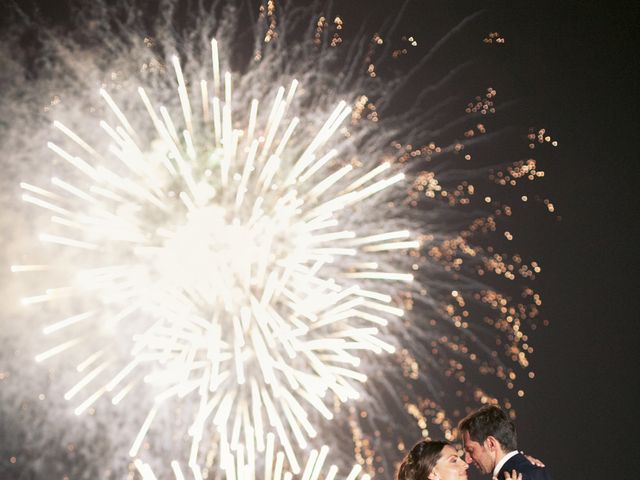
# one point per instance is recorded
(253, 260)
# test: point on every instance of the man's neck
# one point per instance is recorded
(501, 459)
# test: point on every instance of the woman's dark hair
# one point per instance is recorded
(419, 462)
(490, 420)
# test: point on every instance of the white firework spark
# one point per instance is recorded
(274, 467)
(230, 257)
(218, 246)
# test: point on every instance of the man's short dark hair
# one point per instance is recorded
(490, 421)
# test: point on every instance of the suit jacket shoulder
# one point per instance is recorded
(520, 464)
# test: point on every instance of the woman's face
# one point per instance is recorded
(450, 466)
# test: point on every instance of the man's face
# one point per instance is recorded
(478, 454)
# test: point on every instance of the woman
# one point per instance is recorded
(432, 460)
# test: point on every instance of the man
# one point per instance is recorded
(489, 441)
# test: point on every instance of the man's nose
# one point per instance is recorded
(467, 458)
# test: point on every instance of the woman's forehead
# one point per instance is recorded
(448, 450)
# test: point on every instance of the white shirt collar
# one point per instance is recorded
(502, 461)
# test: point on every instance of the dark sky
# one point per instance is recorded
(575, 62)
(580, 415)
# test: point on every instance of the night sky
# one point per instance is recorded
(574, 66)
(580, 413)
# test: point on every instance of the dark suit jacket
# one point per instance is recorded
(520, 464)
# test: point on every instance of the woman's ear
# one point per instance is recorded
(433, 476)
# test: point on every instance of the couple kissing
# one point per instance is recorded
(489, 441)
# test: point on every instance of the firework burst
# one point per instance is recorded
(213, 245)
(276, 265)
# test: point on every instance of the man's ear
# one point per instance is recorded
(491, 443)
